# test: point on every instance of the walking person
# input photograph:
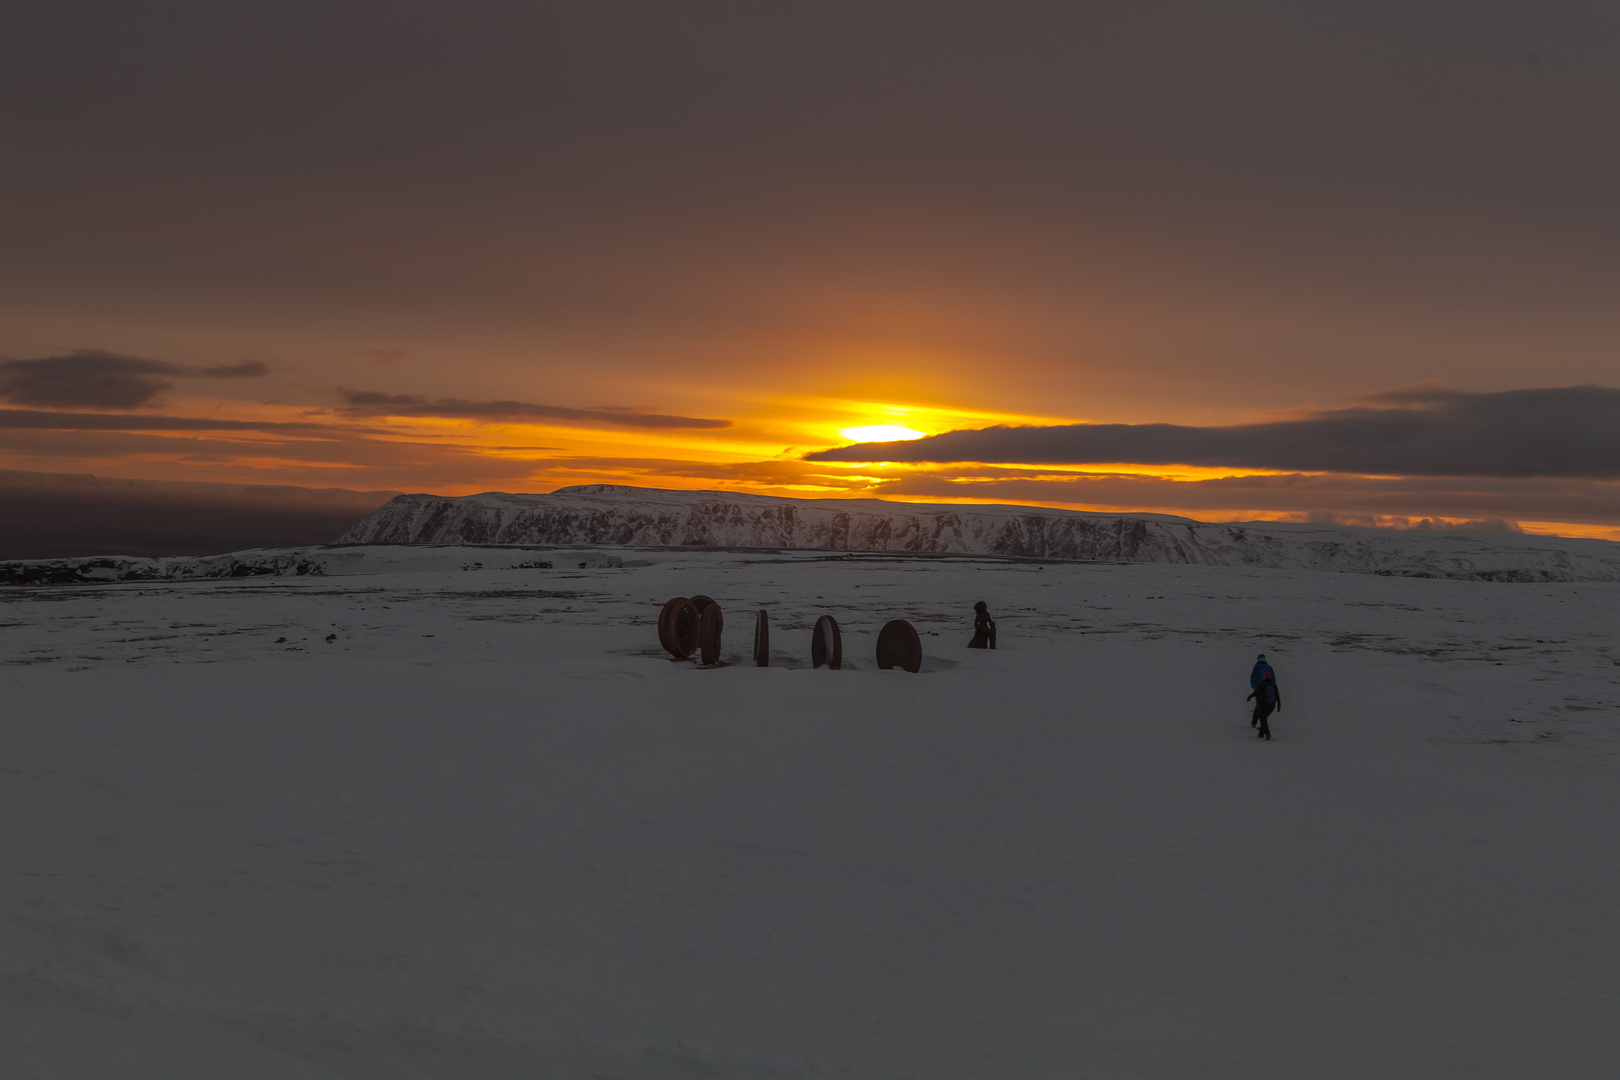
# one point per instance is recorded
(1263, 692)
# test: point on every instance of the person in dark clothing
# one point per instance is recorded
(1264, 694)
(984, 628)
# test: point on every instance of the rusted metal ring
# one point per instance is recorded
(898, 646)
(710, 624)
(666, 619)
(678, 625)
(702, 602)
(827, 644)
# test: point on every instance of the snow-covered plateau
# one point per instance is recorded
(606, 515)
(450, 813)
(434, 530)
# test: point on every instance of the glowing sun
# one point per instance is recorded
(881, 433)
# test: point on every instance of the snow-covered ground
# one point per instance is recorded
(487, 830)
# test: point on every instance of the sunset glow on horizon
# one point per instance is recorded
(761, 449)
(620, 274)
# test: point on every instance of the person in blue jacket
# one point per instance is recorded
(1259, 671)
(1263, 692)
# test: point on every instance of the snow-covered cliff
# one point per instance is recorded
(606, 515)
(430, 532)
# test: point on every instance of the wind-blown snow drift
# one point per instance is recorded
(605, 515)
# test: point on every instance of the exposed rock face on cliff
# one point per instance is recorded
(605, 515)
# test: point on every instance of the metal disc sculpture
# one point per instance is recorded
(666, 623)
(710, 624)
(762, 639)
(678, 625)
(827, 644)
(702, 603)
(898, 646)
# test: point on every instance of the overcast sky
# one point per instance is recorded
(518, 245)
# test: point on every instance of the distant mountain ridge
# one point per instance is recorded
(605, 515)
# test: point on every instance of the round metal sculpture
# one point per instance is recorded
(678, 625)
(827, 644)
(709, 626)
(898, 646)
(702, 602)
(665, 622)
(762, 639)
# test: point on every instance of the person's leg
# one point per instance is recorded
(1265, 727)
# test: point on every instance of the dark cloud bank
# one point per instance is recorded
(374, 403)
(103, 380)
(41, 420)
(1571, 432)
(93, 379)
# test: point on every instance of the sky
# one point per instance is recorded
(1353, 262)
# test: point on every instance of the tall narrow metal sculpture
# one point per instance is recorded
(827, 644)
(762, 639)
(898, 646)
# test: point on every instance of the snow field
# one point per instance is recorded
(531, 846)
